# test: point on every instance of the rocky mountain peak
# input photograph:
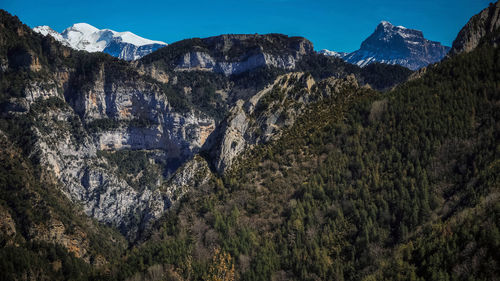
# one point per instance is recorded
(392, 39)
(47, 30)
(486, 23)
(386, 31)
(395, 45)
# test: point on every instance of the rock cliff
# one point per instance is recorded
(232, 54)
(72, 139)
(264, 116)
(486, 23)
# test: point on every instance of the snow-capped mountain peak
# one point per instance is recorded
(46, 30)
(385, 23)
(83, 36)
(82, 27)
(395, 45)
(388, 24)
(129, 37)
(332, 53)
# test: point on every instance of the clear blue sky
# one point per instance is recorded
(335, 25)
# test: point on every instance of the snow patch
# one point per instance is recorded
(83, 36)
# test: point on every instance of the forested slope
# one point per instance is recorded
(402, 185)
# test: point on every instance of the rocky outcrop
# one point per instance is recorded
(263, 117)
(487, 22)
(74, 127)
(232, 53)
(155, 72)
(193, 173)
(141, 117)
(55, 231)
(203, 61)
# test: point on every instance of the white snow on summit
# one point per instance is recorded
(46, 30)
(332, 53)
(394, 45)
(129, 37)
(83, 36)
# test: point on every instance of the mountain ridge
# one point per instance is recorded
(83, 36)
(395, 45)
(231, 54)
(486, 22)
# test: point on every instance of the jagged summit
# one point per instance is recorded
(46, 30)
(388, 24)
(395, 45)
(83, 36)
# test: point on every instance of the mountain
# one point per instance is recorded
(245, 156)
(233, 53)
(395, 45)
(484, 24)
(156, 114)
(82, 36)
(115, 113)
(333, 53)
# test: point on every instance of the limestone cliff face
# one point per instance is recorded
(71, 137)
(487, 22)
(230, 54)
(263, 117)
(143, 118)
(44, 214)
(203, 61)
(193, 173)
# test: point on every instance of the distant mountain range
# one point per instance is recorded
(388, 44)
(395, 45)
(82, 36)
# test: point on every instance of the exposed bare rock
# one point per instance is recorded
(487, 22)
(265, 115)
(196, 61)
(229, 54)
(193, 173)
(69, 139)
